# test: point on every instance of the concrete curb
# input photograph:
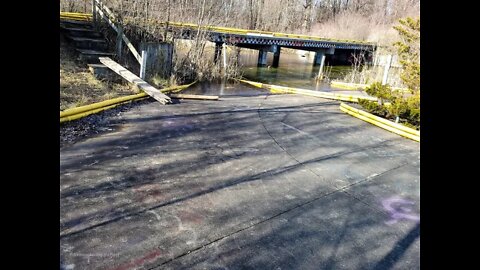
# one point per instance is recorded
(381, 122)
(327, 95)
(82, 111)
(356, 86)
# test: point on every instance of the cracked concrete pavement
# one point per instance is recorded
(252, 181)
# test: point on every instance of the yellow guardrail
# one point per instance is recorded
(82, 111)
(381, 122)
(327, 95)
(76, 16)
(355, 86)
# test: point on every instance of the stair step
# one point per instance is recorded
(89, 43)
(80, 29)
(94, 52)
(87, 39)
(82, 32)
(91, 56)
(75, 24)
(100, 71)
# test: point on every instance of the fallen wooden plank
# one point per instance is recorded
(185, 96)
(129, 76)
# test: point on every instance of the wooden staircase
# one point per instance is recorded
(90, 44)
(93, 49)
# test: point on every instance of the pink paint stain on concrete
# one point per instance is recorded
(396, 206)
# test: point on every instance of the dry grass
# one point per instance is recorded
(344, 26)
(194, 60)
(79, 87)
(374, 28)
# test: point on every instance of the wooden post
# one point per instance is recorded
(94, 13)
(218, 51)
(238, 50)
(387, 67)
(224, 52)
(143, 64)
(119, 41)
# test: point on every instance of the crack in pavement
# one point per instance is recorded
(368, 178)
(234, 182)
(342, 189)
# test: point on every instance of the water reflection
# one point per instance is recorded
(294, 70)
(224, 89)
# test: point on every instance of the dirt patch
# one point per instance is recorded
(95, 124)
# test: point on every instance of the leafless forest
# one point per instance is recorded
(369, 20)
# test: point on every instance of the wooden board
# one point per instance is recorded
(129, 76)
(184, 96)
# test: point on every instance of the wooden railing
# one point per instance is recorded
(99, 9)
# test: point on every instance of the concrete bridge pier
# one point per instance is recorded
(263, 52)
(262, 58)
(320, 56)
(276, 57)
(320, 60)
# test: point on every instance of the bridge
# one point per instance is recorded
(265, 42)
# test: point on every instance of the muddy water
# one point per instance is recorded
(295, 70)
(224, 89)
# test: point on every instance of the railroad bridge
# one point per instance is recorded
(338, 51)
(265, 42)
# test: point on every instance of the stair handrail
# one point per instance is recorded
(101, 9)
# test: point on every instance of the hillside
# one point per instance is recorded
(79, 87)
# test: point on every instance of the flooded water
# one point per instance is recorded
(224, 89)
(295, 69)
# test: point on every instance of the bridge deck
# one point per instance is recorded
(228, 30)
(256, 37)
(253, 38)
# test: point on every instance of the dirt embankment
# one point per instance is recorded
(79, 87)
